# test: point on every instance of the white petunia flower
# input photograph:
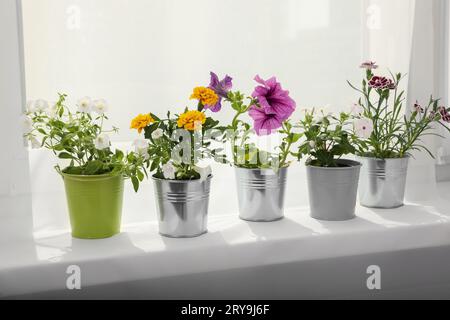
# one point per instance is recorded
(141, 147)
(356, 109)
(30, 106)
(169, 171)
(204, 172)
(100, 106)
(85, 105)
(35, 143)
(363, 128)
(41, 105)
(158, 133)
(312, 144)
(51, 112)
(27, 124)
(102, 141)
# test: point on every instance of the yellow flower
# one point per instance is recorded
(141, 121)
(190, 120)
(206, 96)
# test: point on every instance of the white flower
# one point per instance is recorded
(102, 141)
(27, 124)
(356, 109)
(169, 171)
(40, 105)
(363, 128)
(141, 147)
(30, 106)
(85, 105)
(312, 144)
(204, 172)
(100, 106)
(158, 133)
(35, 143)
(51, 112)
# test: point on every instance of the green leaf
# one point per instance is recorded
(135, 183)
(155, 117)
(93, 167)
(65, 155)
(140, 175)
(119, 155)
(73, 170)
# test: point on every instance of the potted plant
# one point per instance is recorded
(177, 149)
(260, 174)
(94, 176)
(332, 181)
(389, 136)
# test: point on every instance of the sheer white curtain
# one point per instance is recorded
(409, 37)
(147, 55)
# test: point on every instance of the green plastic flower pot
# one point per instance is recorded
(95, 204)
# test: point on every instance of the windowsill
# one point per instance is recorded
(139, 252)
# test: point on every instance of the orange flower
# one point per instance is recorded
(141, 121)
(191, 120)
(205, 95)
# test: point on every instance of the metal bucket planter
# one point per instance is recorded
(332, 190)
(95, 204)
(182, 207)
(261, 193)
(382, 182)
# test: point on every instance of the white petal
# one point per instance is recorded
(40, 105)
(85, 105)
(27, 124)
(102, 141)
(100, 106)
(168, 171)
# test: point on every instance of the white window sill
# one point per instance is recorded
(139, 252)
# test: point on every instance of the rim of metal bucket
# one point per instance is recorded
(385, 159)
(259, 169)
(353, 164)
(182, 181)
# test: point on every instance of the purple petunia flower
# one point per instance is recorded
(264, 123)
(368, 65)
(274, 106)
(381, 83)
(272, 98)
(221, 88)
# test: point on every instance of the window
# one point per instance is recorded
(147, 55)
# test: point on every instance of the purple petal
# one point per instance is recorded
(214, 80)
(216, 107)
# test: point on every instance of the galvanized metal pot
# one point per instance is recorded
(182, 207)
(261, 193)
(332, 190)
(382, 182)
